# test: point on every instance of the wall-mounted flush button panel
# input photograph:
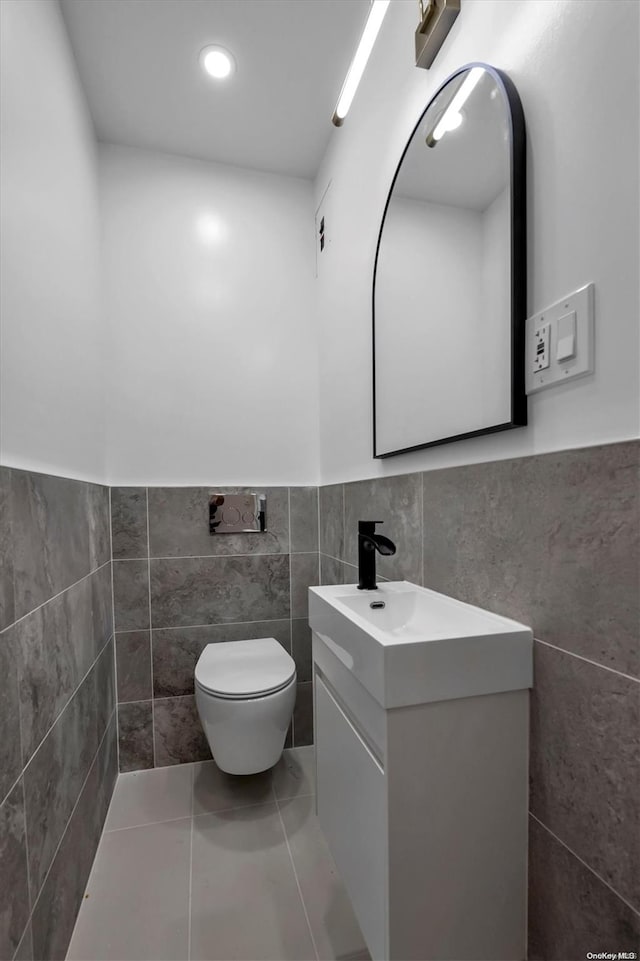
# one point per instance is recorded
(560, 341)
(237, 513)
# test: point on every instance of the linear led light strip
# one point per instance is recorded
(359, 62)
(452, 118)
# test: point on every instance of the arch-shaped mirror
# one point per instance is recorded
(449, 282)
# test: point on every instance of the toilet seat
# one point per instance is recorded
(244, 669)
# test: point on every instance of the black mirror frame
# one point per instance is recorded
(518, 262)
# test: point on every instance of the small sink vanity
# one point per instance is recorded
(421, 701)
(421, 732)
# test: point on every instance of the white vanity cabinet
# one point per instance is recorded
(354, 811)
(424, 808)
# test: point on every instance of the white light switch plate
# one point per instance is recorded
(581, 302)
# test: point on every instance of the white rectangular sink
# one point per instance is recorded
(409, 645)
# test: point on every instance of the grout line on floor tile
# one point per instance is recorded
(237, 807)
(294, 797)
(86, 888)
(149, 771)
(295, 874)
(147, 824)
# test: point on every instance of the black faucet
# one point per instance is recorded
(368, 543)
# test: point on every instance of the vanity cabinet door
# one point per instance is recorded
(352, 809)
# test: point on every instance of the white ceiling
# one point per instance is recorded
(138, 64)
(469, 167)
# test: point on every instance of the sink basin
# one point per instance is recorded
(409, 645)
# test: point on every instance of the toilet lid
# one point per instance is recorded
(244, 668)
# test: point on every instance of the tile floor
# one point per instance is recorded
(194, 864)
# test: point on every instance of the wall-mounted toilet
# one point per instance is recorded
(245, 693)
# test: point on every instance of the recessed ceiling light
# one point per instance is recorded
(217, 62)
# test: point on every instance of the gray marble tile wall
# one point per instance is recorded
(58, 738)
(177, 589)
(553, 541)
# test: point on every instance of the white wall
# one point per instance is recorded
(575, 65)
(51, 389)
(209, 297)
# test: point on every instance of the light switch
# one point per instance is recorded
(560, 341)
(566, 343)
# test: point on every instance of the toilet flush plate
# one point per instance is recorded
(237, 513)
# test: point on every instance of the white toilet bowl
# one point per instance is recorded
(245, 693)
